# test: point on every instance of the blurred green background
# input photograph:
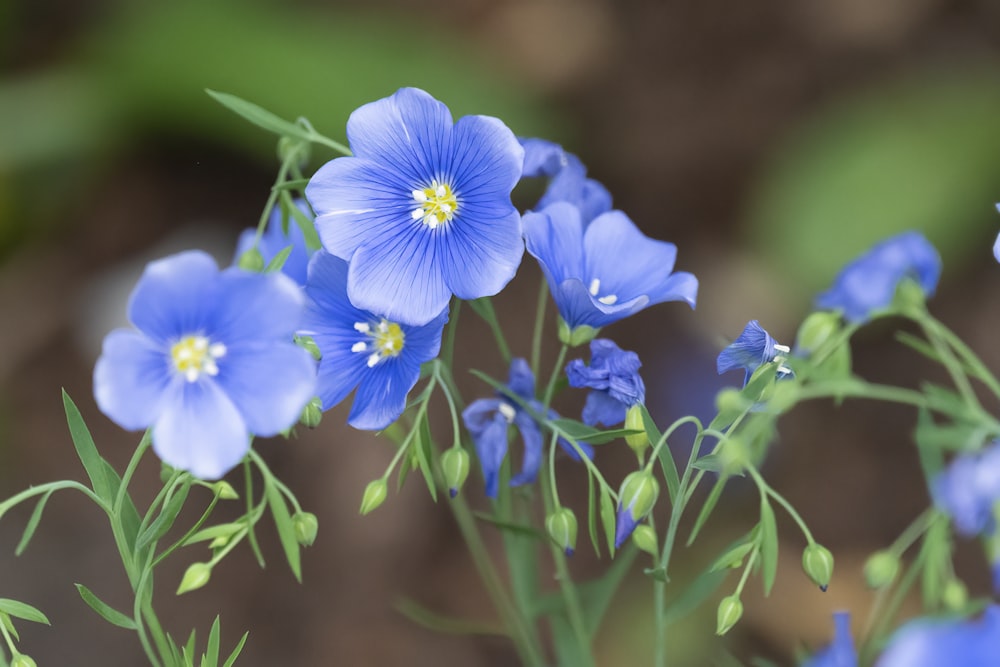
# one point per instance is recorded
(771, 141)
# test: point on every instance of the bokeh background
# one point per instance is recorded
(770, 140)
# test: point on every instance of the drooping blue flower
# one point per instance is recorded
(753, 348)
(968, 489)
(613, 374)
(211, 361)
(487, 420)
(607, 272)
(868, 284)
(362, 349)
(274, 240)
(840, 652)
(422, 210)
(934, 643)
(567, 176)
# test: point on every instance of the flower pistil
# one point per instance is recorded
(436, 204)
(194, 355)
(384, 339)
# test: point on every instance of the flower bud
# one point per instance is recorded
(729, 612)
(633, 421)
(251, 260)
(881, 568)
(22, 660)
(731, 402)
(305, 526)
(816, 330)
(561, 526)
(293, 148)
(309, 345)
(636, 497)
(312, 414)
(955, 595)
(219, 541)
(455, 469)
(644, 537)
(225, 490)
(817, 561)
(196, 576)
(734, 456)
(578, 336)
(909, 295)
(375, 494)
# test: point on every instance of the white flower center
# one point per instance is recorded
(607, 299)
(436, 204)
(194, 355)
(507, 410)
(382, 339)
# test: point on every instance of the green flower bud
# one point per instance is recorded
(731, 402)
(817, 561)
(225, 490)
(734, 456)
(375, 494)
(455, 469)
(561, 526)
(644, 537)
(909, 296)
(196, 576)
(295, 149)
(633, 421)
(312, 414)
(219, 542)
(251, 260)
(307, 343)
(639, 491)
(881, 569)
(816, 330)
(22, 660)
(729, 612)
(955, 595)
(305, 526)
(578, 336)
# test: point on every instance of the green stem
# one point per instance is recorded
(50, 487)
(551, 386)
(976, 366)
(536, 335)
(448, 347)
(871, 641)
(766, 489)
(950, 363)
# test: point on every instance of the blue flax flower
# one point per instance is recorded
(751, 350)
(422, 210)
(840, 652)
(487, 420)
(212, 361)
(968, 489)
(868, 284)
(274, 240)
(608, 271)
(935, 643)
(567, 176)
(613, 374)
(362, 349)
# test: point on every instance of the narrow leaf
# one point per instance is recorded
(236, 651)
(592, 515)
(440, 623)
(22, 610)
(581, 432)
(7, 623)
(695, 594)
(87, 450)
(608, 518)
(286, 531)
(29, 529)
(706, 509)
(259, 116)
(768, 545)
(423, 449)
(510, 526)
(165, 520)
(666, 457)
(278, 261)
(105, 611)
(211, 658)
(301, 219)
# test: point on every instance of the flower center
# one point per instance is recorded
(436, 204)
(194, 355)
(384, 339)
(607, 299)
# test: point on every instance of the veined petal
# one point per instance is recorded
(200, 430)
(578, 306)
(520, 379)
(486, 158)
(531, 461)
(489, 433)
(381, 395)
(131, 379)
(554, 236)
(255, 307)
(175, 295)
(625, 261)
(601, 408)
(480, 253)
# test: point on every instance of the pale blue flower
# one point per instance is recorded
(613, 374)
(968, 489)
(362, 349)
(422, 210)
(936, 643)
(274, 240)
(608, 271)
(211, 361)
(753, 348)
(840, 652)
(868, 284)
(567, 176)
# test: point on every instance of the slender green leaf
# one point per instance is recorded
(29, 529)
(127, 515)
(190, 649)
(592, 515)
(259, 116)
(666, 457)
(283, 522)
(583, 433)
(768, 545)
(567, 648)
(706, 509)
(105, 611)
(422, 448)
(710, 462)
(510, 526)
(211, 657)
(301, 219)
(596, 595)
(212, 532)
(236, 651)
(699, 590)
(278, 261)
(87, 451)
(165, 520)
(22, 610)
(440, 623)
(9, 625)
(732, 557)
(608, 518)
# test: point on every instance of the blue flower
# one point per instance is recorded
(607, 272)
(487, 420)
(840, 652)
(568, 179)
(933, 643)
(362, 349)
(968, 489)
(751, 350)
(212, 361)
(422, 210)
(614, 376)
(274, 240)
(868, 284)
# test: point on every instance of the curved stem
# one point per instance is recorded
(536, 335)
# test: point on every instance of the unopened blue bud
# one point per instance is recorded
(561, 526)
(636, 497)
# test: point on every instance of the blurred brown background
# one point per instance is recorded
(770, 140)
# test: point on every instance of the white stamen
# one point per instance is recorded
(420, 196)
(417, 213)
(440, 191)
(595, 285)
(210, 367)
(782, 348)
(360, 346)
(217, 350)
(383, 326)
(374, 359)
(608, 300)
(507, 410)
(191, 374)
(362, 327)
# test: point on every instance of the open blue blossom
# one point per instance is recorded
(613, 374)
(567, 176)
(487, 420)
(211, 362)
(422, 210)
(868, 283)
(934, 643)
(840, 652)
(968, 489)
(752, 349)
(604, 273)
(274, 240)
(362, 349)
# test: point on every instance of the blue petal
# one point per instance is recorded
(928, 643)
(625, 525)
(554, 236)
(580, 375)
(200, 430)
(602, 408)
(489, 433)
(480, 251)
(175, 296)
(254, 307)
(577, 306)
(753, 347)
(269, 383)
(531, 434)
(521, 380)
(381, 395)
(968, 489)
(486, 160)
(840, 652)
(131, 378)
(542, 157)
